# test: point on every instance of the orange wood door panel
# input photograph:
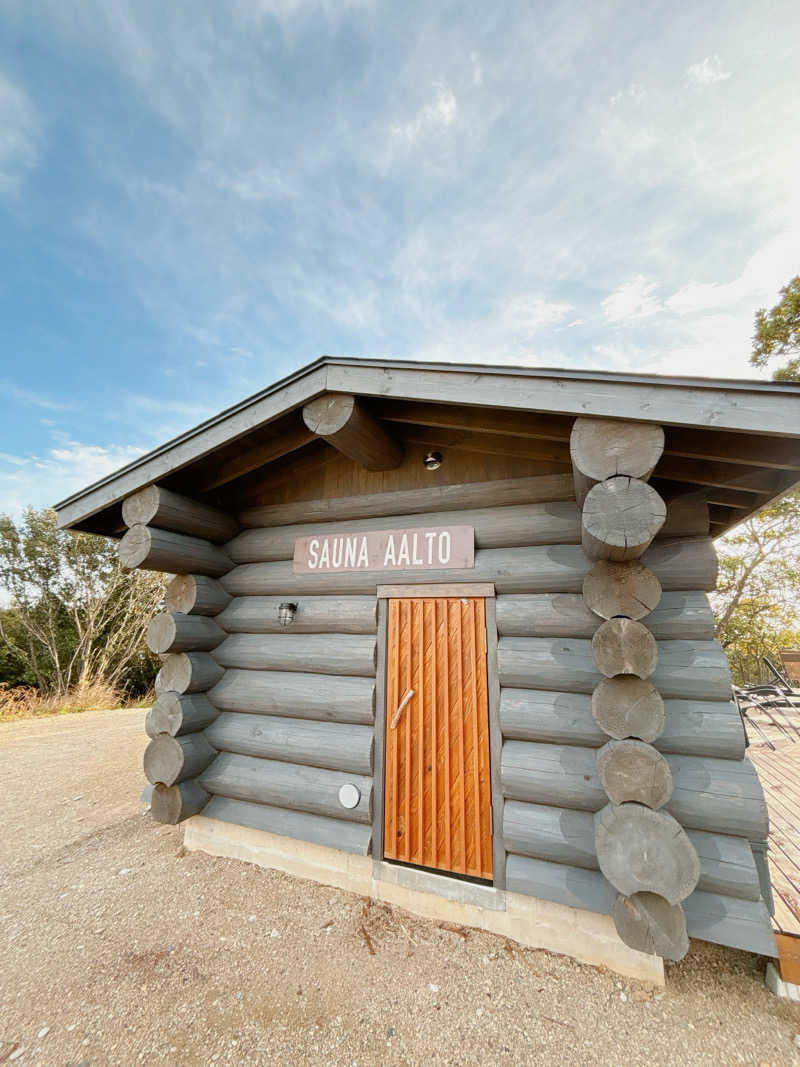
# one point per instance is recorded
(437, 791)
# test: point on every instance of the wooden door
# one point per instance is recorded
(437, 795)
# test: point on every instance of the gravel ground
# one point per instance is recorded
(118, 948)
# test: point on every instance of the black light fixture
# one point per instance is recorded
(286, 613)
(432, 461)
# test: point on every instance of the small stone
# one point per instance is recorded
(274, 932)
(71, 1027)
(390, 1032)
(15, 1055)
(433, 988)
(641, 995)
(623, 997)
(251, 918)
(45, 1030)
(796, 1040)
(124, 870)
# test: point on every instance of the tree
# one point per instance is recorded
(777, 333)
(78, 616)
(757, 601)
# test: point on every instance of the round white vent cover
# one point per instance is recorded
(349, 795)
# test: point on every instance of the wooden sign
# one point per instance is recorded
(423, 549)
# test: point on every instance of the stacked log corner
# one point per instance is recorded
(641, 850)
(172, 533)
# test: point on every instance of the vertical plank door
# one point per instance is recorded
(437, 792)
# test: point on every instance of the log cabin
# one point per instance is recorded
(440, 634)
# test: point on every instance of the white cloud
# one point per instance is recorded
(438, 114)
(477, 68)
(707, 72)
(31, 398)
(20, 136)
(633, 300)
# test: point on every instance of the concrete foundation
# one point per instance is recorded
(584, 935)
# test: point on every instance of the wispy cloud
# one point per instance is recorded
(633, 300)
(33, 398)
(21, 135)
(708, 72)
(438, 113)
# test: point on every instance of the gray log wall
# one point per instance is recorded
(292, 710)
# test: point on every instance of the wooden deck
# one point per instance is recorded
(779, 771)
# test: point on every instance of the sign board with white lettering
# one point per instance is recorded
(420, 549)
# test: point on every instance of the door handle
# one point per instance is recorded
(400, 706)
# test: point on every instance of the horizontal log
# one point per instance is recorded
(687, 670)
(648, 923)
(626, 589)
(188, 672)
(196, 594)
(342, 420)
(336, 746)
(325, 698)
(717, 795)
(315, 614)
(603, 448)
(632, 771)
(161, 550)
(287, 785)
(552, 523)
(564, 836)
(742, 924)
(689, 563)
(170, 760)
(299, 825)
(684, 615)
(687, 516)
(178, 714)
(644, 851)
(159, 507)
(172, 804)
(620, 518)
(348, 654)
(174, 632)
(497, 493)
(627, 706)
(691, 728)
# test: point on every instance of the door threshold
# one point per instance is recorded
(445, 884)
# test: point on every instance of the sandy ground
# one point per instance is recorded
(118, 948)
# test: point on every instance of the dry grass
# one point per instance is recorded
(25, 702)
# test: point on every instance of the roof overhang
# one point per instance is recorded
(763, 409)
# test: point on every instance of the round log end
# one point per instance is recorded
(627, 706)
(602, 448)
(182, 593)
(165, 715)
(620, 518)
(623, 646)
(161, 632)
(329, 413)
(648, 923)
(634, 771)
(163, 760)
(626, 589)
(640, 850)
(134, 548)
(141, 506)
(171, 804)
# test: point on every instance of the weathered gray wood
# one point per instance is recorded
(644, 851)
(287, 785)
(172, 804)
(315, 614)
(628, 706)
(174, 632)
(629, 589)
(337, 746)
(633, 771)
(497, 493)
(687, 516)
(724, 920)
(299, 825)
(623, 646)
(718, 795)
(349, 654)
(552, 523)
(648, 923)
(603, 448)
(342, 421)
(188, 672)
(177, 714)
(681, 615)
(691, 728)
(170, 760)
(162, 550)
(196, 594)
(326, 698)
(560, 835)
(620, 519)
(689, 563)
(687, 670)
(159, 507)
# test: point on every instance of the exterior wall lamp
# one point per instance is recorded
(433, 461)
(286, 613)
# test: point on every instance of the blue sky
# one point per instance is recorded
(197, 198)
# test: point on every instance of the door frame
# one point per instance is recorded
(486, 591)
